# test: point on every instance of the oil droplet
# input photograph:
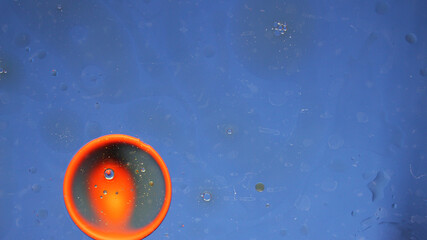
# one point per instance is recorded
(151, 183)
(207, 196)
(105, 192)
(109, 174)
(143, 170)
(259, 187)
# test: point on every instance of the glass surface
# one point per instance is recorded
(291, 119)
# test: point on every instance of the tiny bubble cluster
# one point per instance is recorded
(279, 28)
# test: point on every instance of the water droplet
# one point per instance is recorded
(259, 187)
(329, 185)
(423, 72)
(32, 170)
(303, 203)
(411, 38)
(22, 40)
(378, 185)
(42, 214)
(362, 117)
(381, 8)
(283, 232)
(109, 174)
(335, 142)
(105, 192)
(143, 170)
(207, 196)
(151, 183)
(42, 54)
(36, 188)
(64, 87)
(209, 51)
(229, 131)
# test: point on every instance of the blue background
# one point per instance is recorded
(330, 116)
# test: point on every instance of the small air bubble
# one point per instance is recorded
(229, 131)
(394, 205)
(207, 196)
(143, 170)
(100, 197)
(54, 72)
(117, 193)
(95, 186)
(105, 192)
(109, 174)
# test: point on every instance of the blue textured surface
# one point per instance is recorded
(330, 116)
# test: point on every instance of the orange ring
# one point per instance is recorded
(86, 226)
